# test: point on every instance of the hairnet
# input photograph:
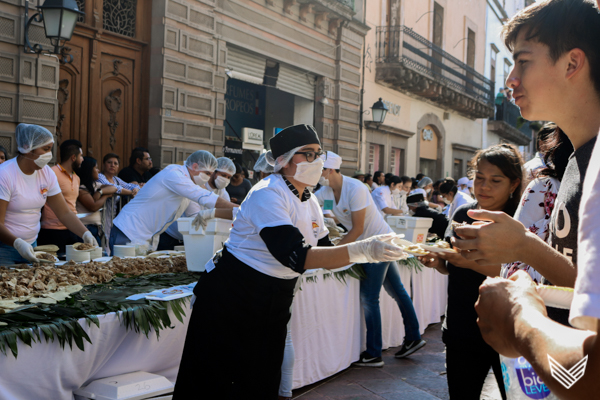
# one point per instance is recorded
(283, 160)
(225, 165)
(262, 165)
(31, 137)
(463, 181)
(205, 161)
(424, 182)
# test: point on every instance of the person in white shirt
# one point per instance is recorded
(453, 197)
(243, 299)
(354, 208)
(164, 198)
(463, 185)
(384, 195)
(26, 185)
(262, 167)
(218, 182)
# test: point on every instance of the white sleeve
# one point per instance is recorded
(536, 206)
(184, 187)
(379, 199)
(53, 186)
(359, 200)
(192, 209)
(225, 195)
(585, 308)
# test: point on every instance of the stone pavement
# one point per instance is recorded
(421, 376)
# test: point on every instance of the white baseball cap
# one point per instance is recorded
(333, 161)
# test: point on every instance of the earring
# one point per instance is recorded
(511, 195)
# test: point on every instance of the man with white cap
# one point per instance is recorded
(164, 199)
(353, 206)
(217, 183)
(463, 185)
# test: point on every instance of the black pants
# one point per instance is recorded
(236, 337)
(467, 364)
(168, 242)
(58, 237)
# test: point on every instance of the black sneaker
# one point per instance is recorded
(366, 360)
(409, 347)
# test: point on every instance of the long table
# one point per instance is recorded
(327, 330)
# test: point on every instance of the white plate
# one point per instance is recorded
(435, 249)
(556, 296)
(404, 244)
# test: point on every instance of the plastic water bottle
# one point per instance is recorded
(522, 382)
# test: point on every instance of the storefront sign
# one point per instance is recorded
(229, 150)
(252, 139)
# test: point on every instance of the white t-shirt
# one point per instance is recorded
(383, 197)
(162, 200)
(26, 195)
(193, 209)
(459, 199)
(585, 309)
(354, 197)
(271, 203)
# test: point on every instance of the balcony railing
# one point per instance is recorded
(349, 3)
(425, 69)
(506, 124)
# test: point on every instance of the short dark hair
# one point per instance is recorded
(448, 186)
(68, 148)
(109, 156)
(420, 176)
(406, 179)
(238, 169)
(368, 176)
(136, 153)
(562, 25)
(392, 179)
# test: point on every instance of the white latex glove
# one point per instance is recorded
(202, 218)
(25, 250)
(375, 249)
(88, 238)
(330, 223)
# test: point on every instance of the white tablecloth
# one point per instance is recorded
(327, 330)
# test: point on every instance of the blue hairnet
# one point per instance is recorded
(31, 137)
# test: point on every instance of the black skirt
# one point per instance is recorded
(236, 336)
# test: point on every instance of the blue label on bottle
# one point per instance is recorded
(531, 384)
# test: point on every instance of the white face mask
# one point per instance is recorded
(428, 191)
(309, 173)
(201, 179)
(396, 191)
(445, 200)
(323, 181)
(221, 182)
(43, 160)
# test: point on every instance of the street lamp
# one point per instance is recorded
(59, 17)
(379, 111)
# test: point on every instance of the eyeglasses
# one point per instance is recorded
(147, 159)
(313, 155)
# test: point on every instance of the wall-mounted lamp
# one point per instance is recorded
(379, 111)
(59, 18)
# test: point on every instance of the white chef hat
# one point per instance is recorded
(333, 161)
(463, 181)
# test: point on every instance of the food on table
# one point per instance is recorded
(83, 246)
(40, 255)
(47, 248)
(42, 281)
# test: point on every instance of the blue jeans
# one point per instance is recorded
(385, 274)
(95, 232)
(117, 237)
(9, 255)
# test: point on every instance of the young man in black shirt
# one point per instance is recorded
(140, 164)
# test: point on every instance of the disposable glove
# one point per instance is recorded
(88, 238)
(25, 250)
(202, 218)
(375, 249)
(330, 223)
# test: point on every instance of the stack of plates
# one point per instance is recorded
(96, 253)
(76, 255)
(124, 251)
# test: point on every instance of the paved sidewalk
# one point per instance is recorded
(421, 376)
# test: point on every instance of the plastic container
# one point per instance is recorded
(76, 255)
(96, 253)
(124, 251)
(133, 386)
(414, 228)
(200, 245)
(522, 382)
(179, 248)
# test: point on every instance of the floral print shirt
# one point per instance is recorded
(534, 212)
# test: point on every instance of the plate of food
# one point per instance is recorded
(83, 247)
(43, 257)
(409, 247)
(556, 296)
(441, 246)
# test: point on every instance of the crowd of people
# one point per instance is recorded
(514, 225)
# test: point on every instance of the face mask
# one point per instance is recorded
(309, 173)
(396, 191)
(323, 181)
(221, 182)
(428, 191)
(201, 179)
(445, 200)
(43, 160)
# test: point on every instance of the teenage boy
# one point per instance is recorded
(556, 43)
(351, 203)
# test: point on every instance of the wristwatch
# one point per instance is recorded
(100, 191)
